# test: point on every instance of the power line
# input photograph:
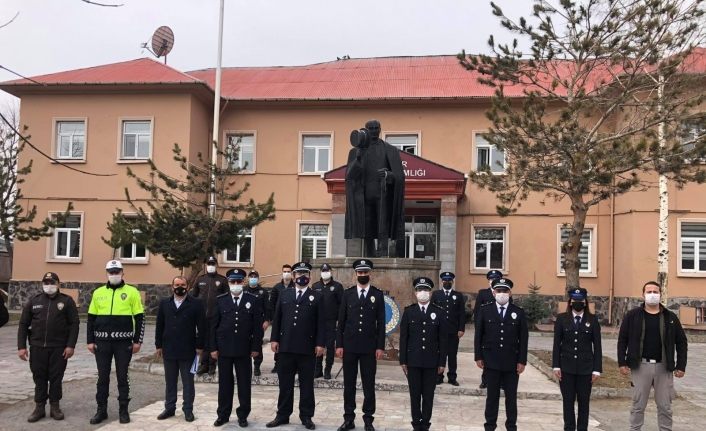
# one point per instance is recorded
(21, 76)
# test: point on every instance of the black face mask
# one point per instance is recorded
(180, 291)
(578, 306)
(447, 285)
(302, 280)
(363, 279)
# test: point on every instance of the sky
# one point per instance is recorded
(55, 35)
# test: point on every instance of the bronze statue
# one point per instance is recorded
(374, 192)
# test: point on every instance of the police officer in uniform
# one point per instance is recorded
(298, 336)
(255, 288)
(50, 321)
(332, 291)
(454, 306)
(577, 357)
(485, 296)
(287, 282)
(501, 349)
(236, 336)
(423, 340)
(115, 330)
(207, 287)
(360, 342)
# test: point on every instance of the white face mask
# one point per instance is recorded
(50, 289)
(502, 298)
(652, 298)
(115, 279)
(235, 289)
(210, 269)
(326, 275)
(287, 276)
(423, 296)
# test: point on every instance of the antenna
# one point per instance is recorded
(162, 42)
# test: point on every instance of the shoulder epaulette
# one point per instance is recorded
(352, 287)
(487, 303)
(223, 294)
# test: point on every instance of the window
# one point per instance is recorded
(240, 253)
(136, 140)
(66, 241)
(489, 156)
(489, 247)
(3, 246)
(691, 132)
(133, 251)
(316, 150)
(70, 140)
(245, 144)
(585, 253)
(693, 247)
(420, 236)
(313, 241)
(407, 143)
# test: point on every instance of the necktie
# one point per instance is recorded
(299, 295)
(502, 312)
(424, 310)
(447, 293)
(235, 301)
(362, 295)
(578, 321)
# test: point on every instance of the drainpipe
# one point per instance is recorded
(612, 257)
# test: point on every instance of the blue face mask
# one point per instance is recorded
(252, 282)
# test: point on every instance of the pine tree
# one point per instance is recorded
(534, 305)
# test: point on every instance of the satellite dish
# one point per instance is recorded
(162, 42)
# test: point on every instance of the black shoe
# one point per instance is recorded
(202, 370)
(257, 372)
(327, 374)
(308, 424)
(219, 422)
(243, 423)
(100, 416)
(165, 415)
(369, 427)
(189, 416)
(318, 373)
(439, 379)
(277, 422)
(274, 370)
(38, 413)
(346, 425)
(483, 385)
(453, 382)
(123, 415)
(55, 411)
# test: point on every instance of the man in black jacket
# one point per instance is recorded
(485, 296)
(648, 339)
(332, 291)
(50, 321)
(207, 287)
(179, 336)
(285, 283)
(454, 306)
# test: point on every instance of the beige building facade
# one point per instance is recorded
(293, 125)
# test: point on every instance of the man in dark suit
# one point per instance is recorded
(501, 349)
(207, 287)
(287, 282)
(298, 336)
(485, 296)
(179, 336)
(454, 306)
(423, 340)
(236, 336)
(332, 291)
(360, 342)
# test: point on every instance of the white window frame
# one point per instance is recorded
(228, 134)
(238, 263)
(418, 134)
(477, 145)
(133, 260)
(689, 272)
(300, 238)
(694, 130)
(317, 171)
(56, 142)
(506, 247)
(592, 252)
(121, 128)
(52, 240)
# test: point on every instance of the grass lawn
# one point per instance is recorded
(610, 377)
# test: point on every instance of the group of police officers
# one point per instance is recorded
(220, 323)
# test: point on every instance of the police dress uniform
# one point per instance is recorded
(454, 305)
(236, 332)
(361, 331)
(208, 287)
(332, 292)
(501, 338)
(577, 353)
(423, 342)
(485, 296)
(298, 326)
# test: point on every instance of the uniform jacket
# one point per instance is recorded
(48, 322)
(454, 307)
(361, 325)
(577, 350)
(485, 296)
(180, 331)
(501, 343)
(116, 313)
(423, 337)
(237, 331)
(299, 327)
(333, 296)
(261, 293)
(630, 340)
(208, 287)
(276, 291)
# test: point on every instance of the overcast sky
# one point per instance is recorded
(51, 36)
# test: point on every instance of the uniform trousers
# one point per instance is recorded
(226, 384)
(330, 346)
(257, 360)
(368, 368)
(172, 369)
(106, 351)
(288, 365)
(575, 387)
(451, 355)
(47, 365)
(508, 381)
(644, 378)
(422, 383)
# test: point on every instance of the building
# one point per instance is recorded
(293, 124)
